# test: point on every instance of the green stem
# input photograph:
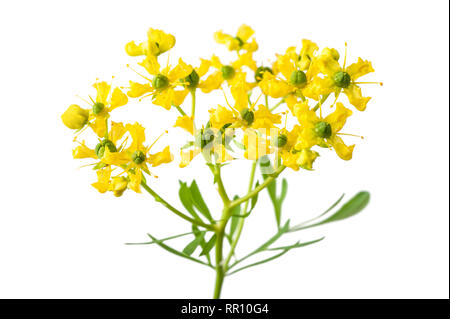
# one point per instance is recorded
(240, 225)
(220, 187)
(220, 271)
(263, 185)
(193, 104)
(322, 100)
(173, 209)
(180, 110)
(277, 105)
(266, 100)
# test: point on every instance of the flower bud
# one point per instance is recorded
(100, 148)
(191, 81)
(297, 78)
(332, 53)
(119, 185)
(280, 141)
(259, 73)
(132, 49)
(97, 108)
(306, 159)
(138, 157)
(323, 129)
(342, 79)
(248, 116)
(160, 82)
(228, 72)
(75, 117)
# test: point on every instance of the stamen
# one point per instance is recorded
(143, 97)
(84, 100)
(362, 137)
(380, 83)
(345, 56)
(254, 104)
(226, 100)
(128, 66)
(165, 132)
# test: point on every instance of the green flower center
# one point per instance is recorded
(259, 73)
(160, 82)
(281, 140)
(248, 116)
(191, 81)
(241, 42)
(97, 108)
(297, 78)
(100, 148)
(138, 157)
(228, 72)
(342, 79)
(323, 129)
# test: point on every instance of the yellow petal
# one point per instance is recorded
(82, 151)
(265, 119)
(137, 132)
(138, 89)
(307, 53)
(118, 98)
(98, 125)
(115, 158)
(103, 178)
(355, 97)
(215, 62)
(212, 82)
(103, 89)
(273, 87)
(244, 32)
(203, 68)
(181, 71)
(291, 100)
(187, 157)
(327, 65)
(118, 185)
(221, 116)
(164, 98)
(306, 117)
(186, 123)
(118, 130)
(160, 41)
(135, 180)
(133, 49)
(306, 158)
(286, 66)
(161, 157)
(317, 87)
(240, 95)
(343, 151)
(228, 40)
(358, 69)
(250, 46)
(221, 154)
(151, 65)
(338, 118)
(245, 59)
(179, 96)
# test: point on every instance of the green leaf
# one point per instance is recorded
(186, 199)
(280, 232)
(299, 226)
(176, 252)
(351, 208)
(254, 198)
(260, 262)
(355, 205)
(209, 245)
(192, 246)
(161, 240)
(198, 201)
(239, 144)
(284, 188)
(297, 244)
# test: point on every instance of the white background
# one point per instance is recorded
(61, 238)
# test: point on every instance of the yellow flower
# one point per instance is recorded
(256, 144)
(75, 117)
(344, 78)
(230, 73)
(293, 82)
(157, 43)
(106, 101)
(323, 131)
(134, 158)
(238, 42)
(162, 86)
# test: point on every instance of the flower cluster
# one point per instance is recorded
(302, 79)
